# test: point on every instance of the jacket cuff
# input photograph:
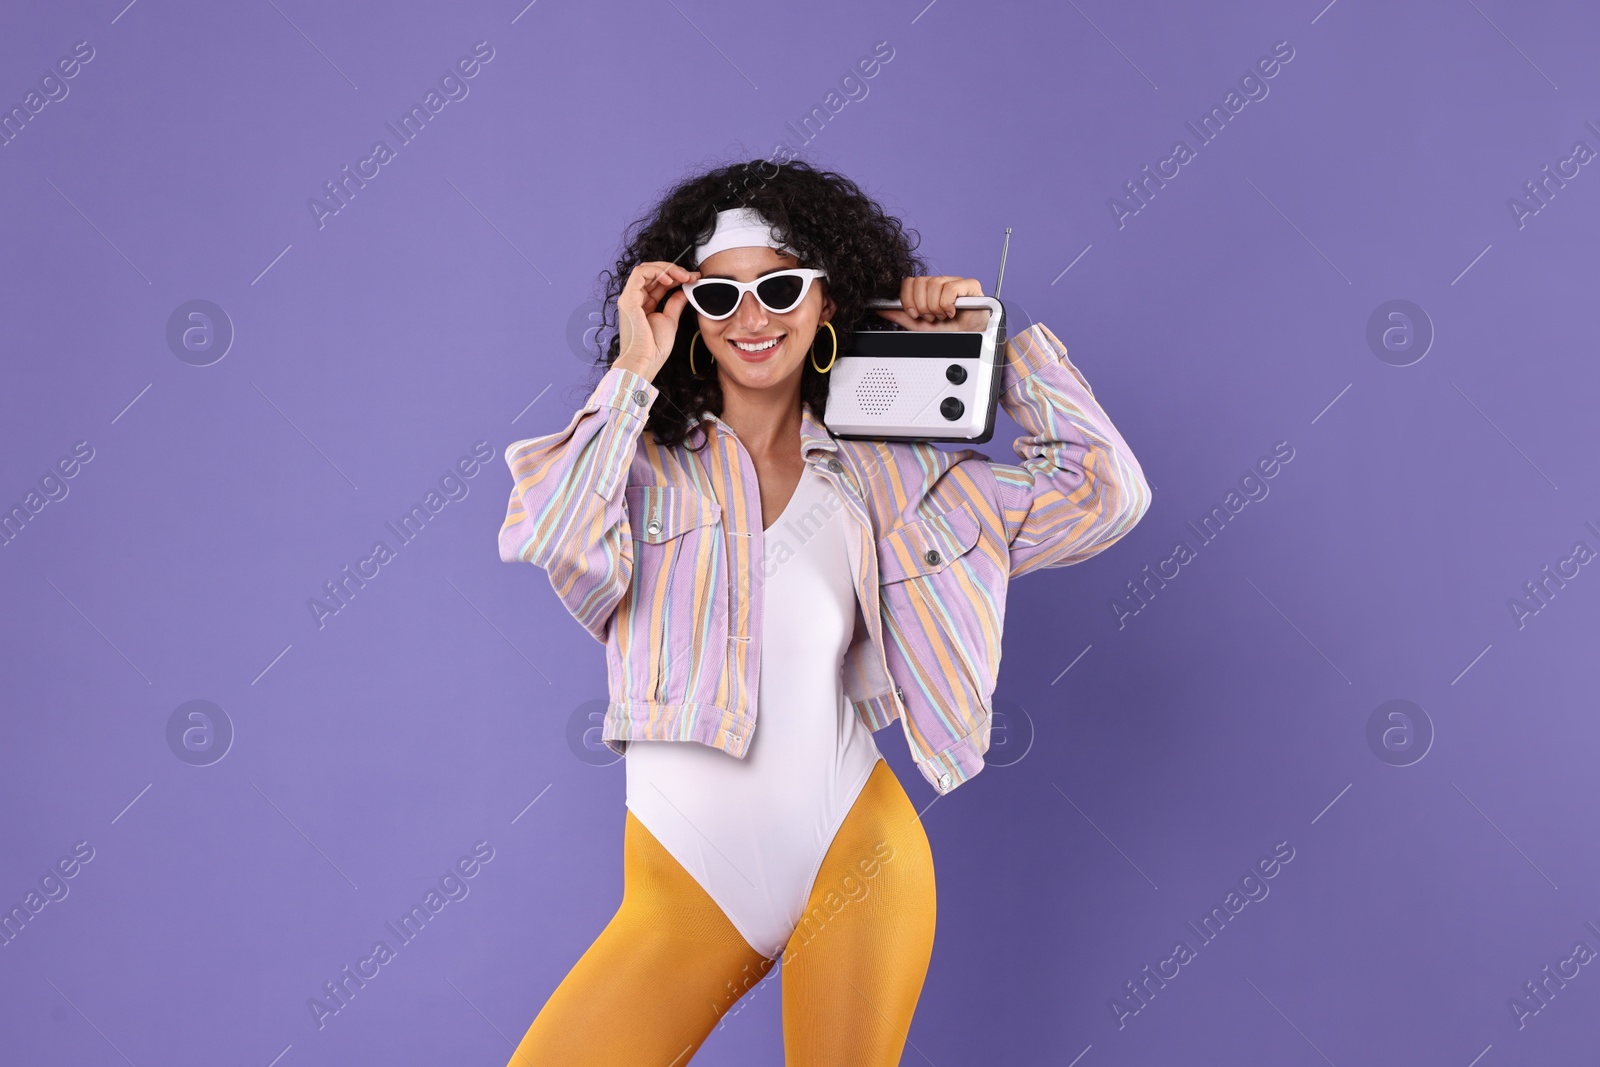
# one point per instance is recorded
(630, 394)
(948, 769)
(617, 388)
(879, 711)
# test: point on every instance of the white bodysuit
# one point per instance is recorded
(753, 832)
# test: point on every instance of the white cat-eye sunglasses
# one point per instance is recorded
(778, 292)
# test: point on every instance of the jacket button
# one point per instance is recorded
(944, 781)
(639, 396)
(932, 556)
(835, 466)
(653, 527)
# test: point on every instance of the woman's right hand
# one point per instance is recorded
(645, 334)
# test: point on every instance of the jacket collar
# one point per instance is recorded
(814, 436)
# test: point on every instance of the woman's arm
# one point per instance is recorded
(1079, 487)
(568, 512)
(569, 505)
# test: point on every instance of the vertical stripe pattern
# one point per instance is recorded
(658, 552)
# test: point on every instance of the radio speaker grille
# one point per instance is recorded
(876, 391)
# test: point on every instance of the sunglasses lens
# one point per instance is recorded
(781, 293)
(716, 298)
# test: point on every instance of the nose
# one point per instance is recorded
(751, 313)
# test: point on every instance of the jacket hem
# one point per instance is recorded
(708, 724)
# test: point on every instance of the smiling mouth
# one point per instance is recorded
(759, 349)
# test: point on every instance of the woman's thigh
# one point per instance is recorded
(655, 982)
(853, 971)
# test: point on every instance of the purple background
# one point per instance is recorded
(435, 310)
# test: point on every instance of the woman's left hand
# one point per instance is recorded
(930, 304)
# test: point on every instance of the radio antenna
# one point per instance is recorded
(1002, 277)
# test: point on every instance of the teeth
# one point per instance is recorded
(755, 348)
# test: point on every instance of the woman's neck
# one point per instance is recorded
(766, 421)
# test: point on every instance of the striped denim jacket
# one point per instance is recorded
(659, 553)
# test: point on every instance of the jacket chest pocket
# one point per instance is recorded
(927, 548)
(936, 594)
(679, 597)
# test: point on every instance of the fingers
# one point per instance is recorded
(664, 326)
(649, 282)
(674, 307)
(638, 322)
(934, 297)
(668, 277)
(660, 273)
(913, 296)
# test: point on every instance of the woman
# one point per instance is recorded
(770, 595)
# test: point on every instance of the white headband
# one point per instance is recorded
(739, 227)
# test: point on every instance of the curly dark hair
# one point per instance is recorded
(822, 215)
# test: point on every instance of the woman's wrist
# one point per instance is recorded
(638, 366)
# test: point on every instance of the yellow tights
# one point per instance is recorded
(670, 964)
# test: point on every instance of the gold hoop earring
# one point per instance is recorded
(834, 359)
(692, 340)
